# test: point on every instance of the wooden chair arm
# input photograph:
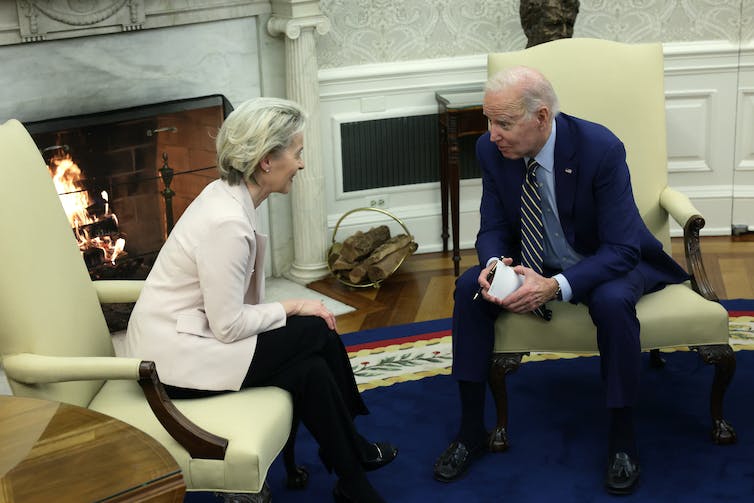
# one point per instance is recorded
(198, 442)
(692, 248)
(682, 210)
(30, 368)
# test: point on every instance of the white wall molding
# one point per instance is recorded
(691, 58)
(745, 157)
(399, 77)
(744, 191)
(688, 130)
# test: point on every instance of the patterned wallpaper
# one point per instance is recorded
(376, 31)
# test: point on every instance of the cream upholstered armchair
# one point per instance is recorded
(55, 345)
(621, 86)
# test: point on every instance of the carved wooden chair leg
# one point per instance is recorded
(723, 358)
(656, 361)
(297, 476)
(502, 364)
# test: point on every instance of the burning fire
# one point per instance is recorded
(77, 203)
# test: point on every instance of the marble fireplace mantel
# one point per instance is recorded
(72, 57)
(37, 20)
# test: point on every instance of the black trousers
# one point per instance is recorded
(309, 360)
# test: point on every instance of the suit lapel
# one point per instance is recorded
(566, 173)
(241, 194)
(255, 293)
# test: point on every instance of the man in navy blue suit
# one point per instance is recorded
(596, 250)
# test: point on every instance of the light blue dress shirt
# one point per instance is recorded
(558, 253)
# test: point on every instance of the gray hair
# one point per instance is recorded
(536, 90)
(258, 127)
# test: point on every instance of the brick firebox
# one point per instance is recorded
(122, 151)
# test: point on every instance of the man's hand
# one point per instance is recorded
(485, 285)
(535, 291)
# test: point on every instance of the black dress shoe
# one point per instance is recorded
(455, 460)
(622, 474)
(385, 454)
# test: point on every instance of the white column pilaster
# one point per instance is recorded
(308, 193)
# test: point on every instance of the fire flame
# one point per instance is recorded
(66, 176)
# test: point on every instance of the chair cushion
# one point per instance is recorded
(694, 321)
(255, 421)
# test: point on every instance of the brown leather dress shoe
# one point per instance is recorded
(622, 474)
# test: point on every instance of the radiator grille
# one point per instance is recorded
(397, 151)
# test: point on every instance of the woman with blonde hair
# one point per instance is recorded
(202, 318)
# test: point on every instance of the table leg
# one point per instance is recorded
(454, 161)
(444, 184)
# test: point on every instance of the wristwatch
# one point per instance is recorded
(558, 293)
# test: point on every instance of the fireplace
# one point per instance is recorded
(139, 167)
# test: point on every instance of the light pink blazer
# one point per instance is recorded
(201, 308)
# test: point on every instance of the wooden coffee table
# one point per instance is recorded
(52, 451)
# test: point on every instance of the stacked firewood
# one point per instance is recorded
(369, 257)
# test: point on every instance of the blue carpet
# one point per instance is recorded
(395, 332)
(738, 304)
(557, 431)
(557, 428)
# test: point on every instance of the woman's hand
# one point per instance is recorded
(306, 307)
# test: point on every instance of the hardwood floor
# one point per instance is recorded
(422, 288)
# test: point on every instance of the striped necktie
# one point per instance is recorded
(532, 229)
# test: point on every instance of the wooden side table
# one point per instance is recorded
(460, 114)
(52, 451)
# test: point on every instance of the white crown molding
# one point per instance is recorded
(699, 48)
(708, 56)
(402, 76)
(402, 68)
(681, 58)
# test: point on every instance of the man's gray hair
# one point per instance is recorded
(536, 90)
(258, 127)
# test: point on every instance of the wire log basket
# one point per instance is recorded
(336, 245)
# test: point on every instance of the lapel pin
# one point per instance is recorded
(568, 170)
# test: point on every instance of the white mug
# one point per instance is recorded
(505, 282)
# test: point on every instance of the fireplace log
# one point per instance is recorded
(105, 226)
(362, 244)
(385, 267)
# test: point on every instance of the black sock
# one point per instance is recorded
(622, 431)
(472, 431)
